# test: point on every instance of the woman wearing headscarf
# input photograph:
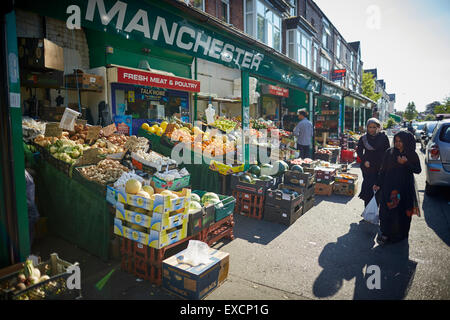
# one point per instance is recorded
(371, 148)
(399, 199)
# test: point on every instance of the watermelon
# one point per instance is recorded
(265, 178)
(267, 169)
(254, 169)
(297, 168)
(246, 178)
(281, 167)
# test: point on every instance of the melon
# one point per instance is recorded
(195, 197)
(166, 193)
(209, 196)
(143, 194)
(246, 178)
(194, 206)
(148, 189)
(133, 186)
(281, 167)
(173, 196)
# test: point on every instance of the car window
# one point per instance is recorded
(431, 126)
(445, 134)
(420, 126)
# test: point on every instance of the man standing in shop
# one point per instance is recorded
(304, 133)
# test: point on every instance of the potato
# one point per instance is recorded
(21, 286)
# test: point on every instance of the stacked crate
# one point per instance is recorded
(303, 183)
(346, 184)
(324, 180)
(283, 207)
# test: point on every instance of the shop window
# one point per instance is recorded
(263, 23)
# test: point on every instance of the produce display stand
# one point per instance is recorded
(202, 178)
(73, 211)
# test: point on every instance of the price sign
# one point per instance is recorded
(109, 130)
(93, 132)
(52, 129)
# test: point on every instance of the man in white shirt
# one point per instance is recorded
(304, 133)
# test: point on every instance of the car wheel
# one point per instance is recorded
(430, 190)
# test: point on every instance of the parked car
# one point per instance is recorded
(419, 129)
(427, 132)
(437, 158)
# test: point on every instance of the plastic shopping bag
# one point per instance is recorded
(371, 212)
(196, 253)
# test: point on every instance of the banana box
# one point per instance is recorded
(154, 239)
(111, 195)
(158, 203)
(153, 220)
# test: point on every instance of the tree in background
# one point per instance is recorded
(410, 112)
(368, 87)
(444, 107)
(389, 124)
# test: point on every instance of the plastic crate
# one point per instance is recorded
(55, 288)
(227, 208)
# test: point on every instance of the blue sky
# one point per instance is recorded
(408, 41)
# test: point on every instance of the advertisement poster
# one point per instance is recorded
(124, 124)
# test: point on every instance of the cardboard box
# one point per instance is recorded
(259, 187)
(85, 81)
(346, 178)
(308, 204)
(307, 192)
(346, 189)
(225, 169)
(154, 239)
(40, 54)
(195, 283)
(160, 204)
(298, 178)
(153, 220)
(282, 216)
(283, 200)
(324, 189)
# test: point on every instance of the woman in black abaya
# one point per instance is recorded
(399, 198)
(371, 148)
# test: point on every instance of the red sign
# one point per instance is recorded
(338, 74)
(278, 91)
(148, 79)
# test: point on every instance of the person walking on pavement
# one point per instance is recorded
(399, 199)
(370, 149)
(411, 128)
(304, 133)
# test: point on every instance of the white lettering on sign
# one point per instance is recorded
(184, 37)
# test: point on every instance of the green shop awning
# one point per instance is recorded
(395, 117)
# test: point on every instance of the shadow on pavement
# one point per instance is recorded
(436, 213)
(349, 257)
(256, 231)
(333, 198)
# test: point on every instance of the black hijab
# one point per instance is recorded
(409, 142)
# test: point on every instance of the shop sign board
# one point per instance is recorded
(338, 74)
(274, 90)
(156, 25)
(148, 79)
(52, 129)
